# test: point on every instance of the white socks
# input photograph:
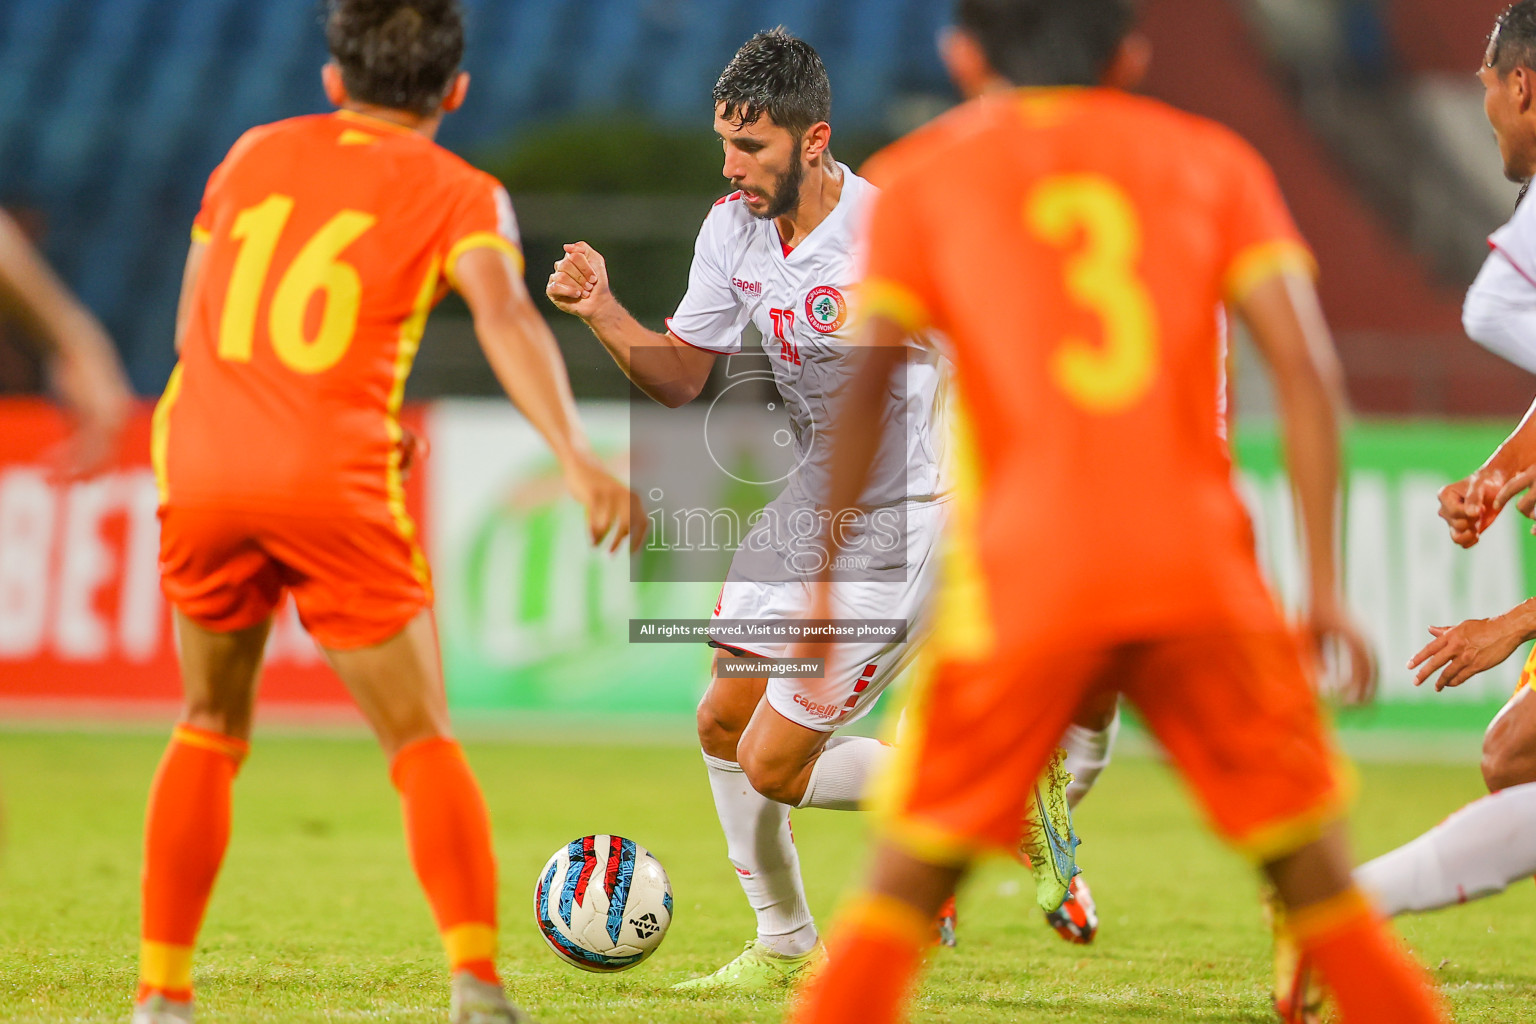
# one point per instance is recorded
(1088, 753)
(1476, 852)
(759, 844)
(840, 776)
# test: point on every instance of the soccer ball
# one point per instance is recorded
(603, 903)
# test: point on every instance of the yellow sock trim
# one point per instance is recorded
(165, 966)
(467, 942)
(1311, 923)
(886, 915)
(230, 747)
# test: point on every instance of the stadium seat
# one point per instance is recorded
(112, 112)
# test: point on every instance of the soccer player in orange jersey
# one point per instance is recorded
(322, 244)
(1076, 244)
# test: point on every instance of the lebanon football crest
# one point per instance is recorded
(825, 309)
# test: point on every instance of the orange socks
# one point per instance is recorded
(449, 836)
(1372, 978)
(185, 833)
(874, 953)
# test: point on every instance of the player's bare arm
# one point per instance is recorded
(671, 371)
(1288, 327)
(527, 362)
(1473, 646)
(1470, 506)
(86, 371)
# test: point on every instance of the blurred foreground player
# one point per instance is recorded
(1075, 245)
(322, 244)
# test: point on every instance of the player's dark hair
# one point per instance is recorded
(776, 74)
(401, 54)
(1513, 42)
(1048, 42)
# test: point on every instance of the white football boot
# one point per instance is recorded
(156, 1009)
(479, 1002)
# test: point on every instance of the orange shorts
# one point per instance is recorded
(1234, 711)
(356, 580)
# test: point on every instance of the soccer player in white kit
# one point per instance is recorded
(782, 251)
(1489, 844)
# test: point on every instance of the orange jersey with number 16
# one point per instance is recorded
(1076, 247)
(329, 239)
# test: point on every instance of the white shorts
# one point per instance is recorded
(856, 672)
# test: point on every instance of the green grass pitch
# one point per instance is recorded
(317, 916)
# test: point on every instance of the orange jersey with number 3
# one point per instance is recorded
(329, 239)
(1080, 280)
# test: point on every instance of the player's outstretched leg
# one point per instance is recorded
(1478, 851)
(186, 828)
(398, 686)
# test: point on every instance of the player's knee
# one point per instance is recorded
(398, 728)
(774, 778)
(1503, 768)
(717, 735)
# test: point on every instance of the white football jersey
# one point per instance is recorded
(799, 300)
(1500, 309)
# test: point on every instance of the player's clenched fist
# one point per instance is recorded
(613, 510)
(579, 284)
(1469, 506)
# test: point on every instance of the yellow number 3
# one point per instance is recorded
(1100, 275)
(316, 268)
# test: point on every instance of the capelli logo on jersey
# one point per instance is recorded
(819, 710)
(750, 287)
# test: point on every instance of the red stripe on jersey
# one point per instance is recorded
(690, 344)
(726, 199)
(1511, 261)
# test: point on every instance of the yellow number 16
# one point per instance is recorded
(1101, 276)
(316, 268)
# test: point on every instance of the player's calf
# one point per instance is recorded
(1480, 850)
(724, 711)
